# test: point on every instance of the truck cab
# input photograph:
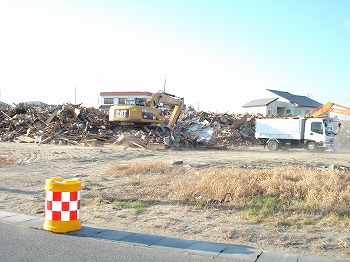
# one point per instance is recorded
(318, 134)
(313, 134)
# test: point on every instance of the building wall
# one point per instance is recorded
(115, 100)
(302, 110)
(257, 110)
(279, 108)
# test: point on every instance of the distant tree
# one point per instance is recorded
(20, 109)
(191, 108)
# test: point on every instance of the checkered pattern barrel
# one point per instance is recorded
(62, 205)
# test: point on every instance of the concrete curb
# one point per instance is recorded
(236, 252)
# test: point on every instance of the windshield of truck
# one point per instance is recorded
(328, 126)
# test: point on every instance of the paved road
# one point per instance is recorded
(22, 239)
(28, 244)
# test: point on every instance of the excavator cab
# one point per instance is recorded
(147, 112)
(140, 101)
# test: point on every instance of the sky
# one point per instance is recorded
(216, 54)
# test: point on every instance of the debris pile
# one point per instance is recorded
(342, 139)
(66, 124)
(74, 124)
(216, 130)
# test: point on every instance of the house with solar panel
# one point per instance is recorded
(282, 104)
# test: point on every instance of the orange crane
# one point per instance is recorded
(328, 107)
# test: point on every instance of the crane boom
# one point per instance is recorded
(329, 107)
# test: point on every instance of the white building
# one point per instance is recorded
(108, 99)
(282, 104)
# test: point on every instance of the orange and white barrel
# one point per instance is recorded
(62, 205)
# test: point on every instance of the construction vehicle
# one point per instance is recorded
(342, 140)
(329, 107)
(149, 112)
(313, 134)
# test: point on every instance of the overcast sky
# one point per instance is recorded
(216, 54)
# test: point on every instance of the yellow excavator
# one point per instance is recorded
(148, 112)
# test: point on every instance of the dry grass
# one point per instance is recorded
(260, 193)
(324, 190)
(146, 181)
(5, 161)
(140, 168)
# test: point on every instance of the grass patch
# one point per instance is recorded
(132, 182)
(93, 183)
(284, 223)
(309, 222)
(344, 218)
(84, 202)
(261, 194)
(258, 209)
(254, 220)
(141, 168)
(39, 198)
(336, 219)
(199, 206)
(138, 205)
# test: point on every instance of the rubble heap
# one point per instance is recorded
(75, 124)
(62, 124)
(216, 130)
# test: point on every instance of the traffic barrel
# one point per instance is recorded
(62, 205)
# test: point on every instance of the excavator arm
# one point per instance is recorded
(328, 107)
(148, 112)
(161, 98)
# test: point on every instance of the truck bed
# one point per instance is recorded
(280, 128)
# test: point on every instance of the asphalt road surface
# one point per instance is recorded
(19, 243)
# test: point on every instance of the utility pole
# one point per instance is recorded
(164, 85)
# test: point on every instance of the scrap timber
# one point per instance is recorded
(77, 125)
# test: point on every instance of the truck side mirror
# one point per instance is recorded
(339, 127)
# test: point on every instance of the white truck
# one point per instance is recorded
(313, 134)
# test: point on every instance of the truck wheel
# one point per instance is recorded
(311, 147)
(272, 145)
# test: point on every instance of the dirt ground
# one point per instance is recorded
(22, 190)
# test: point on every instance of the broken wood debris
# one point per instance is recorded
(215, 130)
(78, 125)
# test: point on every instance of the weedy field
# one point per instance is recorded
(293, 202)
(299, 209)
(278, 195)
